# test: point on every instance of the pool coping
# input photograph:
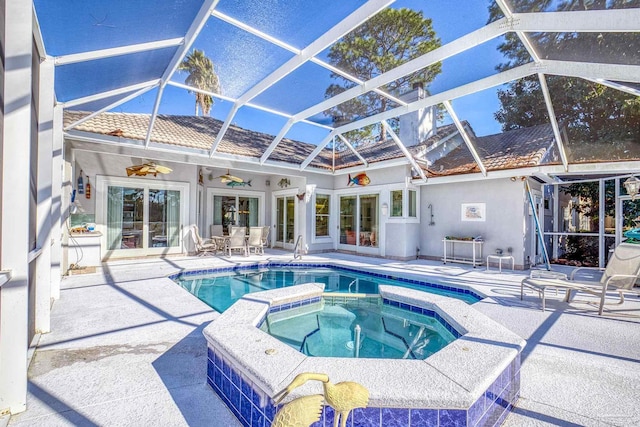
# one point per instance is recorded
(457, 377)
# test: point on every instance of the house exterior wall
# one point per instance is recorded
(508, 220)
(93, 164)
(505, 225)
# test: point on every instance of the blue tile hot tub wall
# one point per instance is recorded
(245, 401)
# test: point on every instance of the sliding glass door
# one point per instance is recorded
(359, 221)
(138, 217)
(232, 207)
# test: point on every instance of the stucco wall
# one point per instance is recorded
(403, 240)
(93, 164)
(505, 225)
(507, 221)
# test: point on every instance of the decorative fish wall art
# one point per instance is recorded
(284, 183)
(242, 183)
(360, 179)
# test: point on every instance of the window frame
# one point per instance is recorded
(328, 215)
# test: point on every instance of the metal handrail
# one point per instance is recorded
(298, 249)
(406, 344)
(304, 340)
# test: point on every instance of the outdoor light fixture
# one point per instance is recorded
(632, 185)
(385, 209)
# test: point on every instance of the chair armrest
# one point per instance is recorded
(575, 270)
(617, 277)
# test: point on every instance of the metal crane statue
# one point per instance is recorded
(343, 397)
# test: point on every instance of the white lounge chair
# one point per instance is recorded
(621, 275)
(203, 247)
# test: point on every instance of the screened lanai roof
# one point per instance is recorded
(572, 66)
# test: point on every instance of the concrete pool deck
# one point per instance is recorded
(126, 348)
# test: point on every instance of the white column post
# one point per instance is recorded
(44, 185)
(15, 141)
(57, 182)
(556, 219)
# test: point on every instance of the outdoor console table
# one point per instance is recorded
(499, 258)
(450, 255)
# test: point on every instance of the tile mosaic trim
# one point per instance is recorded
(293, 304)
(253, 409)
(256, 266)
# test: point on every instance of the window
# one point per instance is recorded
(398, 207)
(413, 205)
(322, 215)
(396, 203)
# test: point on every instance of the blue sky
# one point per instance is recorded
(242, 60)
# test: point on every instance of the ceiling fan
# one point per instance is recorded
(147, 169)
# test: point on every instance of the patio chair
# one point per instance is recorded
(216, 230)
(265, 236)
(237, 240)
(217, 235)
(621, 274)
(203, 247)
(255, 240)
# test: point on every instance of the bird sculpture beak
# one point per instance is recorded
(280, 396)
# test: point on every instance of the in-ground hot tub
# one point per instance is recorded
(359, 326)
(473, 381)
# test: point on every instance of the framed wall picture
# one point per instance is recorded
(474, 212)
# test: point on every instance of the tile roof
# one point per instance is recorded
(198, 133)
(514, 149)
(518, 148)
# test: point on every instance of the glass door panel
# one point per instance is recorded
(291, 209)
(369, 220)
(285, 220)
(248, 212)
(229, 212)
(280, 217)
(125, 218)
(164, 218)
(348, 224)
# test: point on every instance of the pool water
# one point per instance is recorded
(359, 328)
(221, 290)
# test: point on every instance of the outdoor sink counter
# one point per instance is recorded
(474, 381)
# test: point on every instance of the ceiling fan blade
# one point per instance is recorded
(163, 169)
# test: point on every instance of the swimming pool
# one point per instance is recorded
(358, 327)
(220, 288)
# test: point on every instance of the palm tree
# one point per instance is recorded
(201, 76)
